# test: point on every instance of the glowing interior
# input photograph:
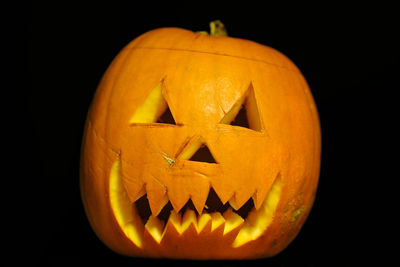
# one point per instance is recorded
(131, 224)
(258, 220)
(252, 111)
(191, 148)
(124, 212)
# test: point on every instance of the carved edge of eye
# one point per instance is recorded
(245, 112)
(154, 110)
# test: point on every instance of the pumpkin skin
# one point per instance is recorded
(203, 80)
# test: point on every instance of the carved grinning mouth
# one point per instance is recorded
(242, 224)
(213, 204)
(246, 222)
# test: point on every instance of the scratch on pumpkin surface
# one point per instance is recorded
(108, 146)
(168, 159)
(158, 181)
(221, 108)
(201, 174)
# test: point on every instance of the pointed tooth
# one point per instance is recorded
(155, 210)
(141, 193)
(217, 220)
(223, 195)
(199, 199)
(258, 220)
(157, 196)
(178, 199)
(133, 182)
(232, 221)
(241, 197)
(257, 203)
(189, 218)
(204, 221)
(174, 221)
(261, 193)
(155, 228)
(259, 197)
(134, 188)
(233, 204)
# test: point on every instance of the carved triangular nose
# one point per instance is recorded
(197, 150)
(203, 154)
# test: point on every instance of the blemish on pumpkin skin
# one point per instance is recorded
(296, 214)
(168, 159)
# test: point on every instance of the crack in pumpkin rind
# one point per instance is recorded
(216, 54)
(244, 230)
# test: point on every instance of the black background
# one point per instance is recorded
(348, 54)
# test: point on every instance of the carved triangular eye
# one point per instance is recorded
(245, 112)
(241, 118)
(166, 117)
(154, 109)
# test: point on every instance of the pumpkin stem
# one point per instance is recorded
(217, 28)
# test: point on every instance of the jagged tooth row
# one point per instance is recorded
(157, 200)
(157, 203)
(229, 221)
(180, 196)
(158, 197)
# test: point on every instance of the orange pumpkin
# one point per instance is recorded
(200, 146)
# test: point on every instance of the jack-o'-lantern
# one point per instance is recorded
(200, 146)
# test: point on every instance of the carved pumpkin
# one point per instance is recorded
(199, 146)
